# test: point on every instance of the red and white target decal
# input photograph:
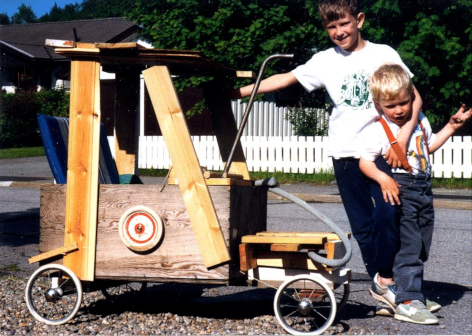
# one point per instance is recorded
(141, 228)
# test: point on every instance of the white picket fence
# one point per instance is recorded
(295, 154)
(268, 119)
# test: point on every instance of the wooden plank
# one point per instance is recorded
(225, 127)
(82, 171)
(311, 240)
(121, 45)
(247, 258)
(53, 253)
(186, 165)
(286, 260)
(126, 120)
(335, 249)
(285, 247)
(327, 235)
(85, 45)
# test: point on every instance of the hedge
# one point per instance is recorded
(18, 125)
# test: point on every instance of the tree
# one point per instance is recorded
(92, 9)
(434, 44)
(237, 33)
(4, 19)
(24, 15)
(68, 13)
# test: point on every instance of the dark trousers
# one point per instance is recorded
(416, 232)
(373, 221)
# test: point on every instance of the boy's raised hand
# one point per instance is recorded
(461, 116)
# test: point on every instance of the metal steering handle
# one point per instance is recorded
(248, 109)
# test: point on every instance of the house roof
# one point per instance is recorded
(29, 39)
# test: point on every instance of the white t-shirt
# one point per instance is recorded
(375, 144)
(345, 75)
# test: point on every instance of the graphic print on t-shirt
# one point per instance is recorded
(421, 156)
(355, 91)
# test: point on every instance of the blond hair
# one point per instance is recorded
(332, 10)
(388, 81)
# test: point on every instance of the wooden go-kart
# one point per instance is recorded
(199, 228)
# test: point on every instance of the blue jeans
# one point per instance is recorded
(373, 221)
(416, 233)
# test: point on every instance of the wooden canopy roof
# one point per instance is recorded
(132, 55)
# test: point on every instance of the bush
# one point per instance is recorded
(18, 125)
(308, 121)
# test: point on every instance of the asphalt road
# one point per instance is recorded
(448, 273)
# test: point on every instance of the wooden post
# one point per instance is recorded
(82, 172)
(192, 184)
(225, 127)
(126, 120)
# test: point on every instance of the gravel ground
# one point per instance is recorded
(179, 309)
(168, 309)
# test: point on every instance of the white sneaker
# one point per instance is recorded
(415, 312)
(384, 293)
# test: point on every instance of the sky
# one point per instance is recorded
(39, 7)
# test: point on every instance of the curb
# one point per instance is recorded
(25, 184)
(438, 204)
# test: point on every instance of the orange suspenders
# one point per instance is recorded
(396, 146)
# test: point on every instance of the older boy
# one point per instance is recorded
(392, 90)
(344, 71)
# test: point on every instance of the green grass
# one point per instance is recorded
(452, 183)
(14, 153)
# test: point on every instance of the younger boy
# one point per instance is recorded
(392, 90)
(344, 71)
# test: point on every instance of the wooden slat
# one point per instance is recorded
(247, 258)
(327, 235)
(82, 172)
(186, 165)
(126, 116)
(121, 45)
(311, 240)
(335, 249)
(286, 260)
(285, 247)
(53, 253)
